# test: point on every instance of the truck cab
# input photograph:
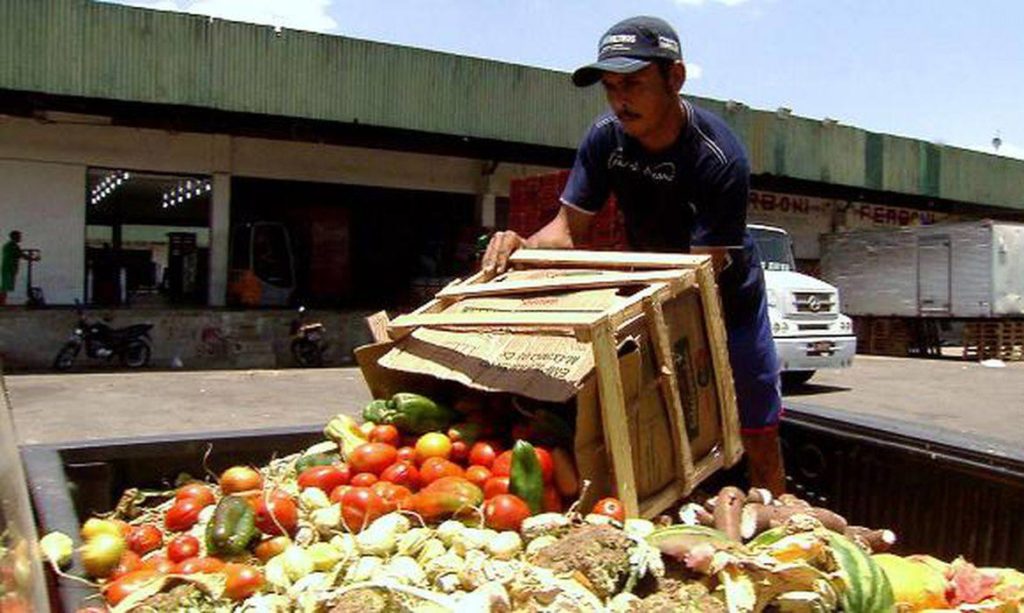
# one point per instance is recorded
(809, 330)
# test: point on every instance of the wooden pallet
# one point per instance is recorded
(897, 336)
(662, 279)
(994, 339)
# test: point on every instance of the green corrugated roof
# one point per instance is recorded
(88, 49)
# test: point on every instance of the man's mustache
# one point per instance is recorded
(626, 114)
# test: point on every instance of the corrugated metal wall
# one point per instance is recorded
(84, 48)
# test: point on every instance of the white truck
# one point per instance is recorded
(809, 330)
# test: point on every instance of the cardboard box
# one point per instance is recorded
(631, 344)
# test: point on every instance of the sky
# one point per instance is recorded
(944, 71)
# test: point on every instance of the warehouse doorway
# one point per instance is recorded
(147, 238)
(355, 246)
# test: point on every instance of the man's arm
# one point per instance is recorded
(567, 228)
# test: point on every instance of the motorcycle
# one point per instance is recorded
(131, 345)
(308, 343)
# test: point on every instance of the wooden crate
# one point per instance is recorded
(635, 432)
(994, 339)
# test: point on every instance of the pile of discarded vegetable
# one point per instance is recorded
(415, 511)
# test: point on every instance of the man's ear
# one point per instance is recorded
(677, 76)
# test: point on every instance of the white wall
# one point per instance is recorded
(46, 202)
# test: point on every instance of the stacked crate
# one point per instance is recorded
(534, 201)
(897, 336)
(1003, 340)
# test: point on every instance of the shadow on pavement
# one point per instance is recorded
(809, 389)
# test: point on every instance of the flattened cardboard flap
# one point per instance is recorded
(544, 367)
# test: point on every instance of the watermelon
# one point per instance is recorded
(867, 589)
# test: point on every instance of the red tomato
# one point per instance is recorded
(402, 473)
(182, 515)
(483, 453)
(435, 468)
(196, 491)
(386, 434)
(495, 486)
(338, 492)
(242, 581)
(129, 562)
(552, 500)
(145, 538)
(478, 475)
(611, 507)
(502, 466)
(459, 452)
(116, 591)
(547, 465)
(364, 479)
(240, 479)
(372, 458)
(279, 506)
(203, 564)
(325, 478)
(391, 494)
(159, 563)
(505, 512)
(268, 548)
(406, 454)
(182, 547)
(359, 507)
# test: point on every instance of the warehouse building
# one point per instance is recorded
(172, 163)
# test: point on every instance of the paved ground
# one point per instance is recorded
(53, 408)
(959, 396)
(963, 397)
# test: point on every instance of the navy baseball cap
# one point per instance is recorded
(629, 46)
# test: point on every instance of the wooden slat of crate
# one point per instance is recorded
(600, 331)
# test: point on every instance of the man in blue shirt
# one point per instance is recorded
(681, 179)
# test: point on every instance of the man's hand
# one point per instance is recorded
(720, 257)
(498, 251)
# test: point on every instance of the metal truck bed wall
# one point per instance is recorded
(961, 270)
(70, 482)
(943, 495)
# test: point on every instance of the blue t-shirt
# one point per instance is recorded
(693, 193)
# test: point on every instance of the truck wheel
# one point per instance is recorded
(796, 378)
(66, 357)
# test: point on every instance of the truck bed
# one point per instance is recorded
(942, 494)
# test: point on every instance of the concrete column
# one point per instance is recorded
(220, 226)
(488, 210)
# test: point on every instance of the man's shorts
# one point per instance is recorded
(755, 369)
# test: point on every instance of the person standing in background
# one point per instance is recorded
(12, 255)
